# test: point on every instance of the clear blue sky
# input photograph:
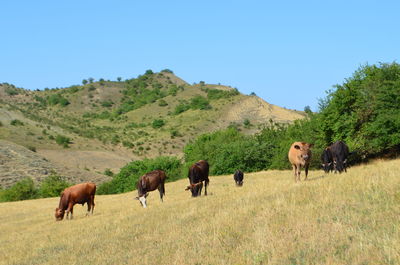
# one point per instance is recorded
(287, 52)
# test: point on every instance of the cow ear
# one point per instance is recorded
(56, 209)
(310, 145)
(297, 147)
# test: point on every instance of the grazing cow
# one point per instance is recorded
(340, 152)
(198, 173)
(79, 193)
(300, 156)
(238, 177)
(149, 182)
(327, 160)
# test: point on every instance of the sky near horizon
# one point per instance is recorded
(287, 52)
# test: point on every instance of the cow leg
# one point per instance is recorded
(295, 172)
(306, 171)
(199, 189)
(72, 213)
(298, 173)
(92, 200)
(89, 206)
(205, 186)
(161, 190)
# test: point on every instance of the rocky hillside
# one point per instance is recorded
(100, 125)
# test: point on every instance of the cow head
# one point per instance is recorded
(304, 150)
(327, 162)
(239, 183)
(59, 214)
(142, 199)
(195, 188)
(339, 165)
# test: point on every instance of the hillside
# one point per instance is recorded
(349, 218)
(105, 124)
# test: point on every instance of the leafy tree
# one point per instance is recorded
(119, 79)
(91, 79)
(84, 81)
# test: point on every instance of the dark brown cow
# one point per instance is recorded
(77, 194)
(198, 173)
(300, 156)
(149, 182)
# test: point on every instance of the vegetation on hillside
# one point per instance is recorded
(26, 189)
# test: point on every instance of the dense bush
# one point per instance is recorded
(16, 123)
(63, 140)
(181, 107)
(52, 186)
(158, 123)
(23, 190)
(127, 178)
(199, 102)
(26, 189)
(57, 99)
(213, 94)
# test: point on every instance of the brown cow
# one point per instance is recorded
(79, 193)
(198, 173)
(300, 156)
(149, 182)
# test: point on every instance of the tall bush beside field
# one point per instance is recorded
(127, 178)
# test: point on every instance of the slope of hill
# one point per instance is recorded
(116, 122)
(349, 218)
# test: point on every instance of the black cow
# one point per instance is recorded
(327, 160)
(340, 152)
(198, 173)
(238, 177)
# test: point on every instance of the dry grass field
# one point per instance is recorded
(351, 218)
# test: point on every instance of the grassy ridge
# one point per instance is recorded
(351, 218)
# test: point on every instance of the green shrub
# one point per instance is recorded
(199, 102)
(63, 140)
(182, 107)
(213, 94)
(11, 91)
(162, 103)
(158, 123)
(57, 99)
(22, 190)
(107, 103)
(32, 148)
(108, 172)
(52, 186)
(16, 123)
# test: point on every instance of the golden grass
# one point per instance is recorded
(351, 218)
